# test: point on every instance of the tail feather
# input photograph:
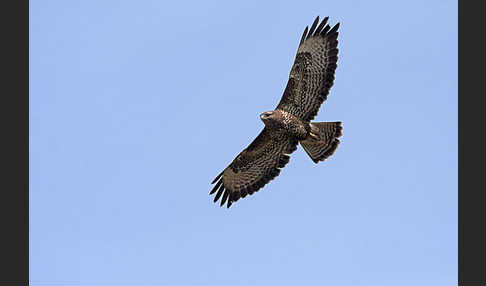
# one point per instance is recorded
(323, 140)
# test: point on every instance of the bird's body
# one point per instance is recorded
(285, 122)
(310, 80)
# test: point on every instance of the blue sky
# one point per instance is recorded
(135, 106)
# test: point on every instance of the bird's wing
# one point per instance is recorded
(254, 167)
(312, 74)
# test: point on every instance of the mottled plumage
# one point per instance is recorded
(310, 79)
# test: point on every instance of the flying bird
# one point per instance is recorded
(310, 79)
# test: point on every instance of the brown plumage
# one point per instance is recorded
(310, 79)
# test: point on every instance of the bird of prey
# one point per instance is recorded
(310, 79)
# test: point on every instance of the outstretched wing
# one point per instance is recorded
(312, 74)
(254, 167)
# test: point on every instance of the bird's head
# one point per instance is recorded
(267, 115)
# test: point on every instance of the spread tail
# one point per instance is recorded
(323, 140)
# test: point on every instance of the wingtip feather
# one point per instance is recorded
(225, 197)
(313, 27)
(321, 26)
(304, 34)
(216, 187)
(217, 177)
(334, 29)
(220, 192)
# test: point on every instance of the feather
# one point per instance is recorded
(260, 184)
(251, 189)
(219, 176)
(304, 35)
(284, 159)
(275, 172)
(332, 52)
(334, 29)
(216, 187)
(225, 197)
(234, 196)
(331, 38)
(324, 31)
(220, 191)
(321, 26)
(244, 192)
(313, 27)
(332, 58)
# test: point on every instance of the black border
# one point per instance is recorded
(460, 199)
(15, 135)
(471, 143)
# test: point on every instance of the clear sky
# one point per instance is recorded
(135, 106)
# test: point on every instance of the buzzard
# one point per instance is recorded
(311, 78)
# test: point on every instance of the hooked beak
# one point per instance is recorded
(265, 115)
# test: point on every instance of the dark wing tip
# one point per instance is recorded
(334, 29)
(217, 177)
(220, 192)
(225, 197)
(323, 29)
(224, 193)
(313, 27)
(321, 25)
(234, 196)
(216, 187)
(302, 39)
